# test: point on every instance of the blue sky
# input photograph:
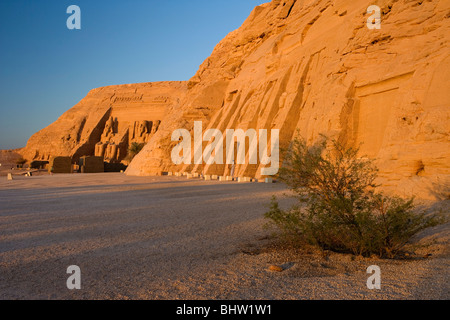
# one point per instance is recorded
(45, 68)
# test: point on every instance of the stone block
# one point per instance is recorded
(60, 165)
(92, 164)
(38, 164)
(114, 167)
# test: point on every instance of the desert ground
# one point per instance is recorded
(173, 238)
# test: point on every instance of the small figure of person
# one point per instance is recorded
(232, 169)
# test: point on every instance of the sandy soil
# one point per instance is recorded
(172, 238)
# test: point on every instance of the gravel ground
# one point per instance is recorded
(172, 238)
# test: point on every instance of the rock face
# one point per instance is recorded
(106, 122)
(312, 67)
(315, 67)
(8, 157)
(8, 160)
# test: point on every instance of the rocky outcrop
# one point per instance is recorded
(106, 122)
(8, 160)
(305, 66)
(314, 67)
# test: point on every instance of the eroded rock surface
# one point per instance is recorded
(106, 122)
(307, 66)
(314, 66)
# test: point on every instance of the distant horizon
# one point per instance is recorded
(47, 68)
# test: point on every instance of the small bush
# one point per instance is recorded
(134, 149)
(338, 207)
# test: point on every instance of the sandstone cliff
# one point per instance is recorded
(315, 67)
(106, 122)
(307, 66)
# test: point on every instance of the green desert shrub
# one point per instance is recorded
(134, 149)
(338, 207)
